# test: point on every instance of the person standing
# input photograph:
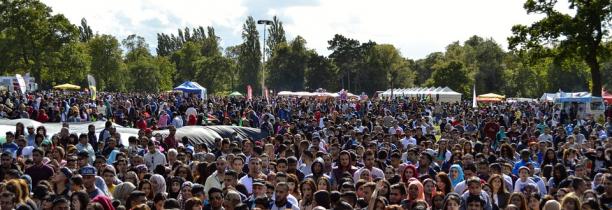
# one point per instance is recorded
(153, 158)
(39, 171)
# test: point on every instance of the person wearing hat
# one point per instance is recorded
(31, 137)
(525, 158)
(523, 180)
(61, 181)
(89, 181)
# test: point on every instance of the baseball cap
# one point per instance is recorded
(88, 170)
(67, 172)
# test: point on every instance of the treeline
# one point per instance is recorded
(56, 51)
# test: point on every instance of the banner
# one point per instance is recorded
(249, 92)
(267, 94)
(22, 84)
(474, 104)
(92, 86)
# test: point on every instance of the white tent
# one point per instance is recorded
(437, 94)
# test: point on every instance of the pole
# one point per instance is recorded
(263, 69)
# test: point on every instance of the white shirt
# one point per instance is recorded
(374, 173)
(213, 181)
(518, 185)
(247, 181)
(155, 159)
(408, 141)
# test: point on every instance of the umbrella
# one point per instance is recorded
(235, 94)
(67, 87)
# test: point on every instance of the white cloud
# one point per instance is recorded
(416, 27)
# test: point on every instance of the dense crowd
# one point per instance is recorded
(319, 154)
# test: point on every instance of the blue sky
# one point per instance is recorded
(417, 28)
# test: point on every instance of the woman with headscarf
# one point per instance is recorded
(104, 201)
(159, 184)
(456, 175)
(415, 192)
(122, 191)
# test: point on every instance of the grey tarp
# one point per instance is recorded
(196, 134)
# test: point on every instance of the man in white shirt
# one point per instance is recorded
(407, 139)
(368, 162)
(254, 173)
(153, 158)
(523, 180)
(216, 178)
(280, 201)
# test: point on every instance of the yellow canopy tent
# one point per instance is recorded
(67, 87)
(490, 97)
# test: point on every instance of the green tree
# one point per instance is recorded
(581, 34)
(487, 59)
(386, 68)
(276, 35)
(185, 60)
(70, 65)
(452, 74)
(106, 63)
(349, 55)
(288, 65)
(28, 34)
(321, 73)
(85, 32)
(213, 72)
(424, 67)
(249, 59)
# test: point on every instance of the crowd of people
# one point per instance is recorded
(319, 154)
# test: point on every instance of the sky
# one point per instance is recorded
(416, 28)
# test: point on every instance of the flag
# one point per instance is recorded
(92, 86)
(21, 82)
(249, 92)
(474, 104)
(267, 95)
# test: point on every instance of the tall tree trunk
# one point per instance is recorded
(591, 60)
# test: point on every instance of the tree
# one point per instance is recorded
(288, 65)
(29, 33)
(212, 71)
(321, 73)
(185, 60)
(424, 67)
(85, 32)
(210, 45)
(385, 68)
(276, 37)
(347, 54)
(249, 59)
(486, 57)
(452, 74)
(136, 47)
(70, 65)
(106, 63)
(579, 35)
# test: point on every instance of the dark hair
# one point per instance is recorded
(322, 198)
(214, 190)
(135, 194)
(83, 198)
(475, 198)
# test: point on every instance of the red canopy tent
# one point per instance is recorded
(607, 97)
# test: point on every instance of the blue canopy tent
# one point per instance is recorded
(192, 87)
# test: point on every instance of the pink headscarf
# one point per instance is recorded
(105, 201)
(421, 194)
